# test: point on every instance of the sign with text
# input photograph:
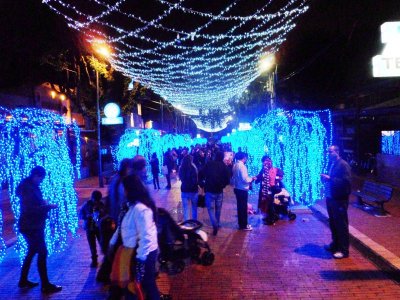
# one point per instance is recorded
(388, 63)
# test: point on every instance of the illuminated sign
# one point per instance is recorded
(388, 63)
(112, 111)
(244, 126)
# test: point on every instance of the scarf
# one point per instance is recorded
(268, 180)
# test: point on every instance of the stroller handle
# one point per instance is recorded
(190, 225)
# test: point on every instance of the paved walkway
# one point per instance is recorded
(285, 261)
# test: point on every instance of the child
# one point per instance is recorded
(91, 212)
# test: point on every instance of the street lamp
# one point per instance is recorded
(103, 50)
(268, 63)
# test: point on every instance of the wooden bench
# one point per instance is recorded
(374, 193)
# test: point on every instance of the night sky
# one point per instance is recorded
(326, 59)
(329, 53)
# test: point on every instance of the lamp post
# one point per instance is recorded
(102, 49)
(101, 182)
(266, 64)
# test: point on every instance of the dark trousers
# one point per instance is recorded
(36, 244)
(156, 182)
(149, 280)
(241, 198)
(339, 224)
(168, 179)
(91, 236)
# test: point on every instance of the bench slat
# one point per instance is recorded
(375, 192)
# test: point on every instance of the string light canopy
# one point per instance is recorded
(196, 54)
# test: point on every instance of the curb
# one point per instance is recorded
(385, 260)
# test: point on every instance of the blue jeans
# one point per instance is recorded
(214, 202)
(192, 199)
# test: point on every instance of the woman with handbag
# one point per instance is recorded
(189, 188)
(139, 249)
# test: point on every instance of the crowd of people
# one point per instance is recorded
(125, 225)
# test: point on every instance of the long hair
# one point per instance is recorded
(137, 192)
(124, 166)
(187, 165)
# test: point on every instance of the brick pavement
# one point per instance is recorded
(286, 261)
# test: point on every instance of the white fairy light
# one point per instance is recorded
(201, 65)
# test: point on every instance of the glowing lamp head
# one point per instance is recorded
(112, 110)
(266, 63)
(62, 97)
(53, 94)
(102, 48)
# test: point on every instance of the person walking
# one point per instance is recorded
(169, 163)
(138, 231)
(91, 213)
(32, 223)
(215, 177)
(189, 187)
(155, 170)
(241, 181)
(116, 194)
(337, 191)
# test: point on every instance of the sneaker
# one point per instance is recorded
(27, 284)
(247, 228)
(339, 255)
(51, 288)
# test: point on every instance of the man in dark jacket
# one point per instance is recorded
(91, 213)
(338, 188)
(169, 163)
(215, 176)
(32, 222)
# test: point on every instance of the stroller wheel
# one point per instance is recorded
(195, 253)
(178, 266)
(207, 258)
(292, 216)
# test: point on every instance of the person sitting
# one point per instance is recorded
(270, 180)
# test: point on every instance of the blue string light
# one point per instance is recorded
(148, 141)
(296, 142)
(390, 143)
(2, 242)
(31, 137)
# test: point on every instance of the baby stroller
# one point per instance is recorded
(280, 205)
(181, 242)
